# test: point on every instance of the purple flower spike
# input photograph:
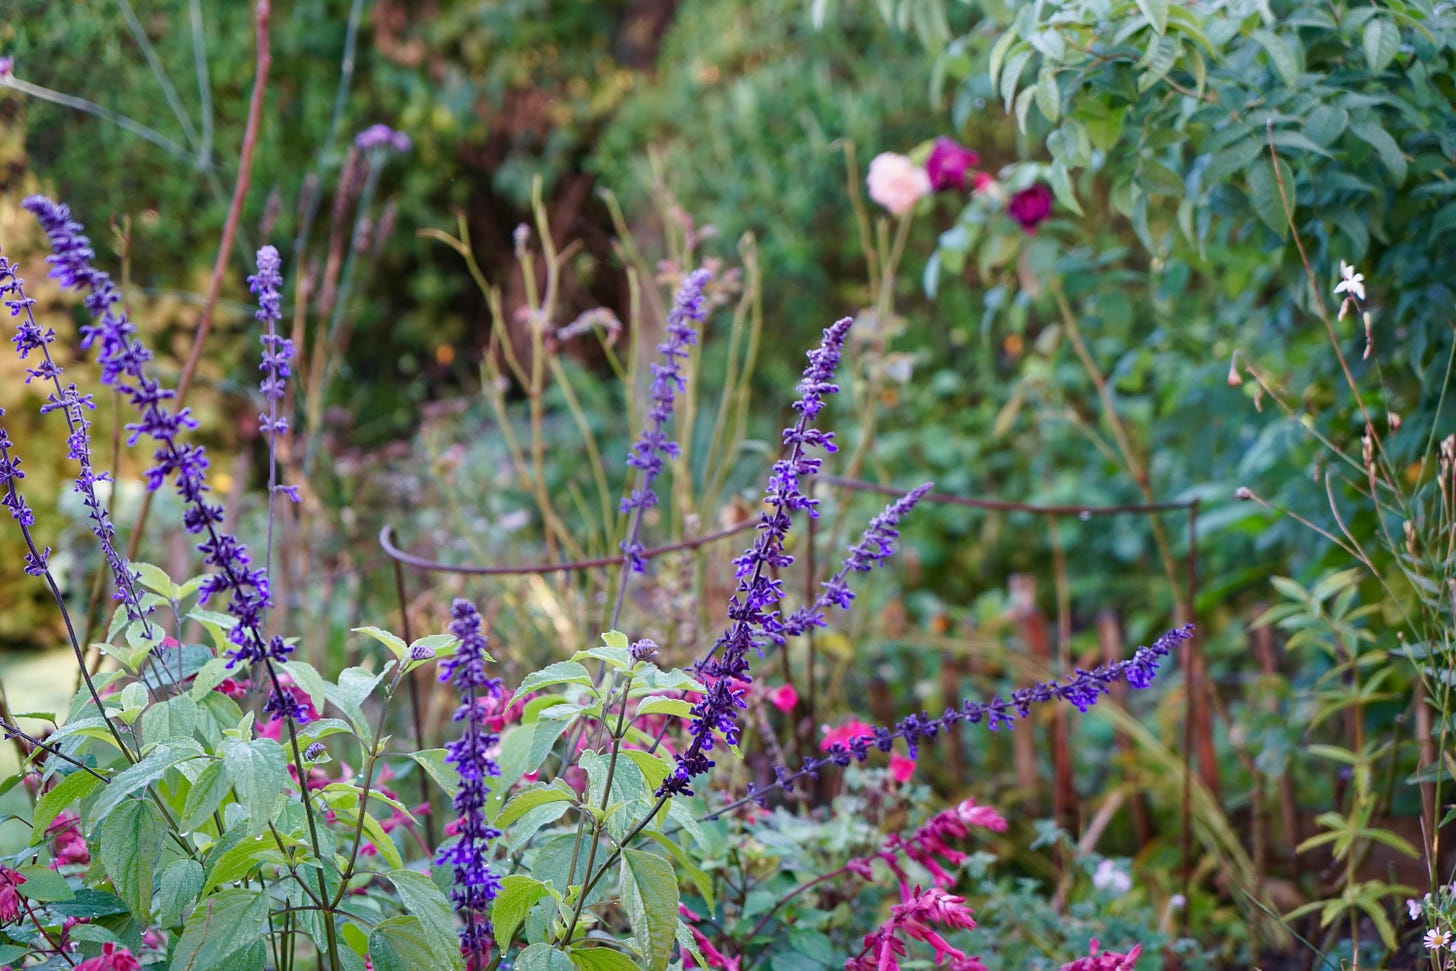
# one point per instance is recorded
(123, 360)
(476, 885)
(382, 136)
(875, 545)
(267, 285)
(654, 448)
(29, 336)
(753, 622)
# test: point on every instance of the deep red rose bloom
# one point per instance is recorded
(949, 164)
(1031, 207)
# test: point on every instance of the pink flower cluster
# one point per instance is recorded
(917, 918)
(69, 846)
(10, 882)
(1106, 961)
(930, 846)
(111, 958)
(897, 183)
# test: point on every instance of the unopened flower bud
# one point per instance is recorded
(643, 650)
(1234, 378)
(314, 752)
(1394, 421)
(1243, 493)
(420, 652)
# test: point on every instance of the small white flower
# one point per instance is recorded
(1413, 907)
(1111, 878)
(1352, 283)
(1435, 940)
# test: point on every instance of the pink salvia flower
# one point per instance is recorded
(9, 895)
(1106, 961)
(784, 698)
(845, 734)
(111, 958)
(902, 767)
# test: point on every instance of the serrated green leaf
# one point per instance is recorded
(258, 770)
(90, 904)
(174, 718)
(661, 705)
(77, 785)
(650, 897)
(600, 959)
(306, 676)
(532, 796)
(155, 579)
(137, 777)
(518, 894)
(44, 884)
(130, 841)
(424, 901)
(224, 925)
(213, 673)
(177, 890)
(543, 957)
(561, 672)
(208, 791)
(432, 760)
(394, 642)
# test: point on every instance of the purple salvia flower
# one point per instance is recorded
(752, 620)
(123, 358)
(29, 336)
(267, 285)
(654, 448)
(1082, 688)
(876, 544)
(476, 885)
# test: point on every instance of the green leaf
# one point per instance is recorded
(1385, 146)
(77, 785)
(403, 944)
(537, 794)
(562, 672)
(422, 899)
(658, 704)
(239, 862)
(612, 657)
(1281, 55)
(432, 760)
(130, 841)
(1048, 97)
(1326, 123)
(155, 579)
(1158, 60)
(259, 773)
(518, 894)
(650, 897)
(174, 718)
(144, 773)
(1156, 12)
(90, 904)
(44, 884)
(208, 791)
(178, 889)
(1382, 42)
(1062, 187)
(601, 959)
(213, 673)
(1264, 194)
(394, 642)
(543, 957)
(220, 927)
(306, 676)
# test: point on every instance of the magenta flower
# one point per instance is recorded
(1106, 961)
(949, 164)
(1030, 207)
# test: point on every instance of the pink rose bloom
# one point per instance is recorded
(1030, 207)
(948, 165)
(902, 767)
(784, 698)
(111, 958)
(896, 183)
(845, 734)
